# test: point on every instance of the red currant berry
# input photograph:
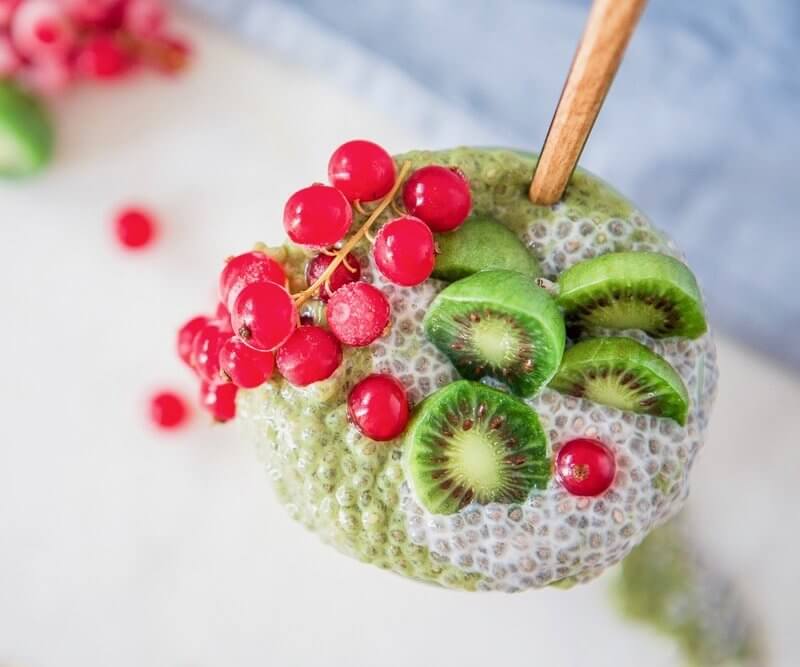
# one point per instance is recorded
(404, 251)
(223, 318)
(40, 29)
(361, 170)
(358, 314)
(186, 335)
(264, 315)
(245, 367)
(219, 399)
(103, 58)
(243, 270)
(144, 18)
(378, 407)
(439, 196)
(311, 354)
(10, 60)
(585, 467)
(341, 274)
(205, 351)
(135, 228)
(318, 215)
(168, 410)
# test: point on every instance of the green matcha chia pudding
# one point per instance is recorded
(568, 374)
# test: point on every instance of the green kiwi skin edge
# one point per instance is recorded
(430, 420)
(657, 381)
(506, 294)
(481, 244)
(658, 276)
(25, 133)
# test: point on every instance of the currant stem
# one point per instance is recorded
(301, 297)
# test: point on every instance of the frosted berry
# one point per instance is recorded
(245, 367)
(404, 251)
(168, 410)
(358, 314)
(246, 269)
(439, 196)
(341, 274)
(318, 215)
(585, 467)
(40, 29)
(135, 228)
(378, 407)
(144, 18)
(205, 351)
(311, 354)
(186, 335)
(264, 315)
(103, 58)
(361, 171)
(219, 399)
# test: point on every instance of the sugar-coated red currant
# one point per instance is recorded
(246, 269)
(186, 335)
(341, 274)
(585, 467)
(205, 351)
(358, 314)
(404, 251)
(168, 410)
(439, 196)
(244, 366)
(219, 398)
(264, 315)
(104, 58)
(318, 215)
(378, 407)
(40, 29)
(361, 170)
(144, 18)
(135, 228)
(311, 354)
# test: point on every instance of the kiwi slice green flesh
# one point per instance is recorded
(478, 244)
(471, 443)
(26, 136)
(624, 374)
(633, 290)
(499, 324)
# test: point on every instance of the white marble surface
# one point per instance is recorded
(121, 546)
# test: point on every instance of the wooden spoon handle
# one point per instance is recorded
(608, 30)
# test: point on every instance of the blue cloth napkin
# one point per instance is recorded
(700, 129)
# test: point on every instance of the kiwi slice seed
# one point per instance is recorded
(26, 136)
(624, 374)
(471, 443)
(479, 244)
(499, 324)
(633, 290)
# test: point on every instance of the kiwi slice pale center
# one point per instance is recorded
(617, 388)
(496, 341)
(476, 462)
(629, 313)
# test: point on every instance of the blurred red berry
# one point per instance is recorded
(135, 228)
(103, 58)
(168, 410)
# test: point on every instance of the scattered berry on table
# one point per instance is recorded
(440, 196)
(318, 216)
(311, 354)
(358, 313)
(135, 228)
(404, 251)
(168, 410)
(585, 467)
(361, 171)
(349, 271)
(264, 315)
(245, 367)
(378, 407)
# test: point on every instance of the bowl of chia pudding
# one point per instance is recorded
(452, 383)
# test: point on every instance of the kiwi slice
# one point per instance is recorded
(624, 374)
(633, 290)
(471, 443)
(479, 244)
(26, 136)
(499, 324)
